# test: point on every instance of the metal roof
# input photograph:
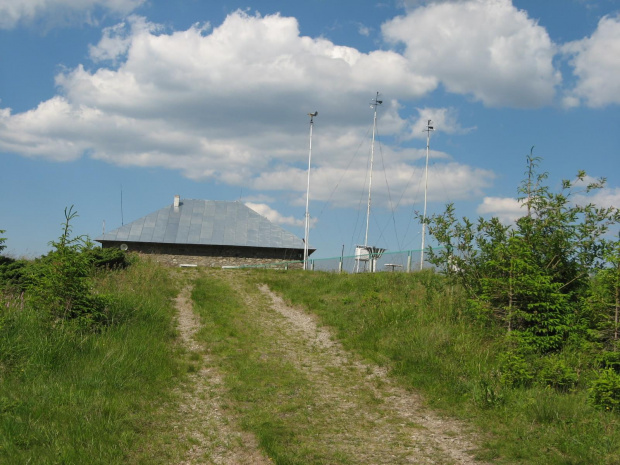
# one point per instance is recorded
(207, 222)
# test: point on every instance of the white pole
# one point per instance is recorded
(374, 104)
(307, 232)
(428, 130)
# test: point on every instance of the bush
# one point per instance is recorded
(557, 374)
(13, 274)
(610, 360)
(515, 370)
(605, 390)
(530, 278)
(62, 280)
(107, 258)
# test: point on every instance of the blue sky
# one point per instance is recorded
(142, 100)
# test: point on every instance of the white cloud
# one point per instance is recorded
(230, 104)
(603, 198)
(485, 48)
(400, 183)
(117, 39)
(205, 103)
(596, 63)
(59, 12)
(442, 120)
(509, 209)
(276, 217)
(49, 130)
(506, 209)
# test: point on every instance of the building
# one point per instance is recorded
(207, 233)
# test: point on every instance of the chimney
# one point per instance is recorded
(177, 201)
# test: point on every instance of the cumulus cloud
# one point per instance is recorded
(229, 103)
(509, 209)
(487, 49)
(596, 64)
(506, 209)
(117, 39)
(442, 120)
(400, 184)
(276, 217)
(59, 12)
(604, 198)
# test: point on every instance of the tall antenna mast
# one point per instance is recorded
(375, 103)
(307, 233)
(428, 130)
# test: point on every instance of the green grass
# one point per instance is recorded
(73, 396)
(404, 321)
(414, 324)
(268, 394)
(68, 395)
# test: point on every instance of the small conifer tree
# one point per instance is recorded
(532, 276)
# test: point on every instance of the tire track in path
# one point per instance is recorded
(213, 433)
(359, 411)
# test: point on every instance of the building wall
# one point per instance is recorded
(210, 255)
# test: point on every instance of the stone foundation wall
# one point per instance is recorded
(212, 256)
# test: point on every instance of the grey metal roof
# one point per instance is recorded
(208, 222)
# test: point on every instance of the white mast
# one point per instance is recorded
(307, 233)
(376, 102)
(428, 130)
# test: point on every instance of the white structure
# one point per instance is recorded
(366, 258)
(307, 234)
(365, 255)
(428, 130)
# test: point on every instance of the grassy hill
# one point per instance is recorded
(417, 325)
(74, 394)
(105, 392)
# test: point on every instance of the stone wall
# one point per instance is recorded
(211, 255)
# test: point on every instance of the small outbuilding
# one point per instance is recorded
(207, 233)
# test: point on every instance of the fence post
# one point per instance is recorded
(409, 261)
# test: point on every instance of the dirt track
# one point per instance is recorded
(393, 428)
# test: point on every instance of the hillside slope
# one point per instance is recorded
(301, 395)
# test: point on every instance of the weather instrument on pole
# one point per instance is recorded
(307, 228)
(365, 254)
(428, 130)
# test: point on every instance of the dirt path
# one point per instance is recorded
(399, 429)
(215, 435)
(360, 412)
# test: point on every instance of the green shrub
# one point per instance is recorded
(107, 258)
(531, 278)
(515, 370)
(13, 274)
(605, 390)
(61, 282)
(610, 360)
(556, 373)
